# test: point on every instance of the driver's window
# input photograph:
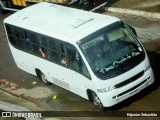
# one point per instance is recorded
(76, 64)
(71, 53)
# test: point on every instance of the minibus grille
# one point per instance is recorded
(123, 93)
(129, 80)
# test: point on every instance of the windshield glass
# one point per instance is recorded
(113, 52)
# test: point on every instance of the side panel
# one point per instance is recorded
(23, 60)
(82, 84)
(27, 48)
(56, 74)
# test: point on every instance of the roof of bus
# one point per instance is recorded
(60, 22)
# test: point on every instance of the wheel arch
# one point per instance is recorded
(38, 72)
(89, 94)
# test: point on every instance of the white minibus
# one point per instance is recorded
(95, 56)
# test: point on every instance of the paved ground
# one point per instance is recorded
(147, 30)
(31, 89)
(145, 5)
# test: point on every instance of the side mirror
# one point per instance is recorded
(133, 30)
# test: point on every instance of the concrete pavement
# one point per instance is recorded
(149, 15)
(9, 103)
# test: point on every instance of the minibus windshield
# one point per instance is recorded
(113, 52)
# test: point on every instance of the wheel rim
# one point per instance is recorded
(44, 78)
(97, 101)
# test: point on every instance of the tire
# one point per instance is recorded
(97, 102)
(44, 79)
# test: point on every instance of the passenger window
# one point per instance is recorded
(71, 53)
(37, 47)
(20, 38)
(35, 38)
(12, 40)
(54, 56)
(64, 60)
(25, 45)
(53, 45)
(24, 35)
(63, 56)
(9, 29)
(14, 35)
(17, 33)
(52, 48)
(24, 42)
(14, 31)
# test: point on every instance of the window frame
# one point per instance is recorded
(70, 46)
(44, 39)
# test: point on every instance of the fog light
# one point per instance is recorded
(149, 78)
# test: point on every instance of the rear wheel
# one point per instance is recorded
(97, 102)
(44, 79)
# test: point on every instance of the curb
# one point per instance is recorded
(15, 97)
(135, 12)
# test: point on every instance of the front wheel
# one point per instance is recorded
(97, 102)
(44, 79)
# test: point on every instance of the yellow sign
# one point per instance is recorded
(19, 2)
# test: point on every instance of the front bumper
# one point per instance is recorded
(117, 95)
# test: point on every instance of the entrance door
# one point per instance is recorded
(79, 72)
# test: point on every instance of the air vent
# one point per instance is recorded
(80, 22)
(52, 6)
(129, 80)
(123, 93)
(25, 18)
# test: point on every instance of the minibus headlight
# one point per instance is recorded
(147, 68)
(105, 89)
